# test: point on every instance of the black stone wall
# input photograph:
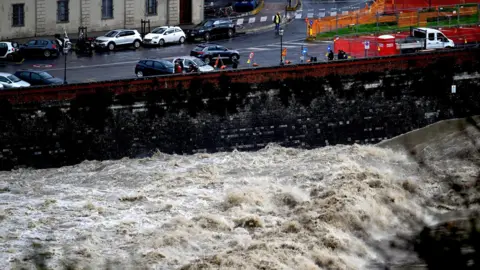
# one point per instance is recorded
(312, 112)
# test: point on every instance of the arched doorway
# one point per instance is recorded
(186, 11)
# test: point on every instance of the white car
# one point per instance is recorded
(164, 34)
(8, 49)
(8, 80)
(119, 38)
(199, 64)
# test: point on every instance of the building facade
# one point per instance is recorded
(30, 18)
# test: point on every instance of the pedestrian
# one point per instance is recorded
(277, 20)
(330, 55)
(178, 68)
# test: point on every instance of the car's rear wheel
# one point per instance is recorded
(161, 42)
(47, 53)
(139, 74)
(182, 40)
(111, 46)
(207, 60)
(234, 57)
(207, 36)
(230, 33)
(10, 57)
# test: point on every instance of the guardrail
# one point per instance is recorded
(251, 75)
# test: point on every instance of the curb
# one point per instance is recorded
(297, 7)
(253, 12)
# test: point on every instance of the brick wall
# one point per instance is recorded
(304, 112)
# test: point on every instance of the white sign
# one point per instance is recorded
(367, 45)
(454, 89)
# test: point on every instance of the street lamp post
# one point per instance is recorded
(65, 52)
(280, 32)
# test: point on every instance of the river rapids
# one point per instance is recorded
(278, 208)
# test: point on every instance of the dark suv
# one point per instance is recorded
(152, 67)
(208, 52)
(211, 28)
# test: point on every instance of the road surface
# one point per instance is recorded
(121, 64)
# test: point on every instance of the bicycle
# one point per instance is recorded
(224, 12)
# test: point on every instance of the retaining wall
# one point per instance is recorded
(293, 106)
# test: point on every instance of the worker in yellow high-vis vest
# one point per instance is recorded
(277, 20)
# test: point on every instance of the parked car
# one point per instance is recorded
(212, 28)
(151, 67)
(40, 47)
(9, 51)
(165, 34)
(37, 77)
(119, 38)
(208, 52)
(8, 80)
(246, 5)
(186, 61)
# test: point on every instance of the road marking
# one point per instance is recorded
(256, 49)
(333, 13)
(240, 21)
(263, 19)
(251, 20)
(298, 16)
(310, 15)
(311, 10)
(321, 14)
(345, 12)
(299, 44)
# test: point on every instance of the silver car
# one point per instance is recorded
(199, 64)
(8, 80)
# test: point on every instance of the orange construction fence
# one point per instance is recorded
(375, 14)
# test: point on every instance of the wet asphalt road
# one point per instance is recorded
(121, 64)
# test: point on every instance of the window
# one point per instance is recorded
(32, 43)
(45, 75)
(212, 48)
(178, 30)
(36, 77)
(18, 15)
(169, 32)
(151, 7)
(149, 63)
(107, 9)
(157, 65)
(431, 36)
(24, 75)
(13, 78)
(3, 79)
(62, 11)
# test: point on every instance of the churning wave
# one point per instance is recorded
(277, 208)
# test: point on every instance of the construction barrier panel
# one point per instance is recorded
(375, 18)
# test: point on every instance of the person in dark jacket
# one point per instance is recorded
(330, 55)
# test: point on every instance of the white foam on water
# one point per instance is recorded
(277, 208)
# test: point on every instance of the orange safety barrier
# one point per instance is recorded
(376, 14)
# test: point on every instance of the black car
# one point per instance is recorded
(37, 77)
(212, 28)
(150, 67)
(40, 47)
(209, 52)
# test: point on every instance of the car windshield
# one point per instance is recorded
(45, 75)
(198, 49)
(159, 30)
(13, 78)
(111, 34)
(206, 23)
(199, 62)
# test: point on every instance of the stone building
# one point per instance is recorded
(29, 18)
